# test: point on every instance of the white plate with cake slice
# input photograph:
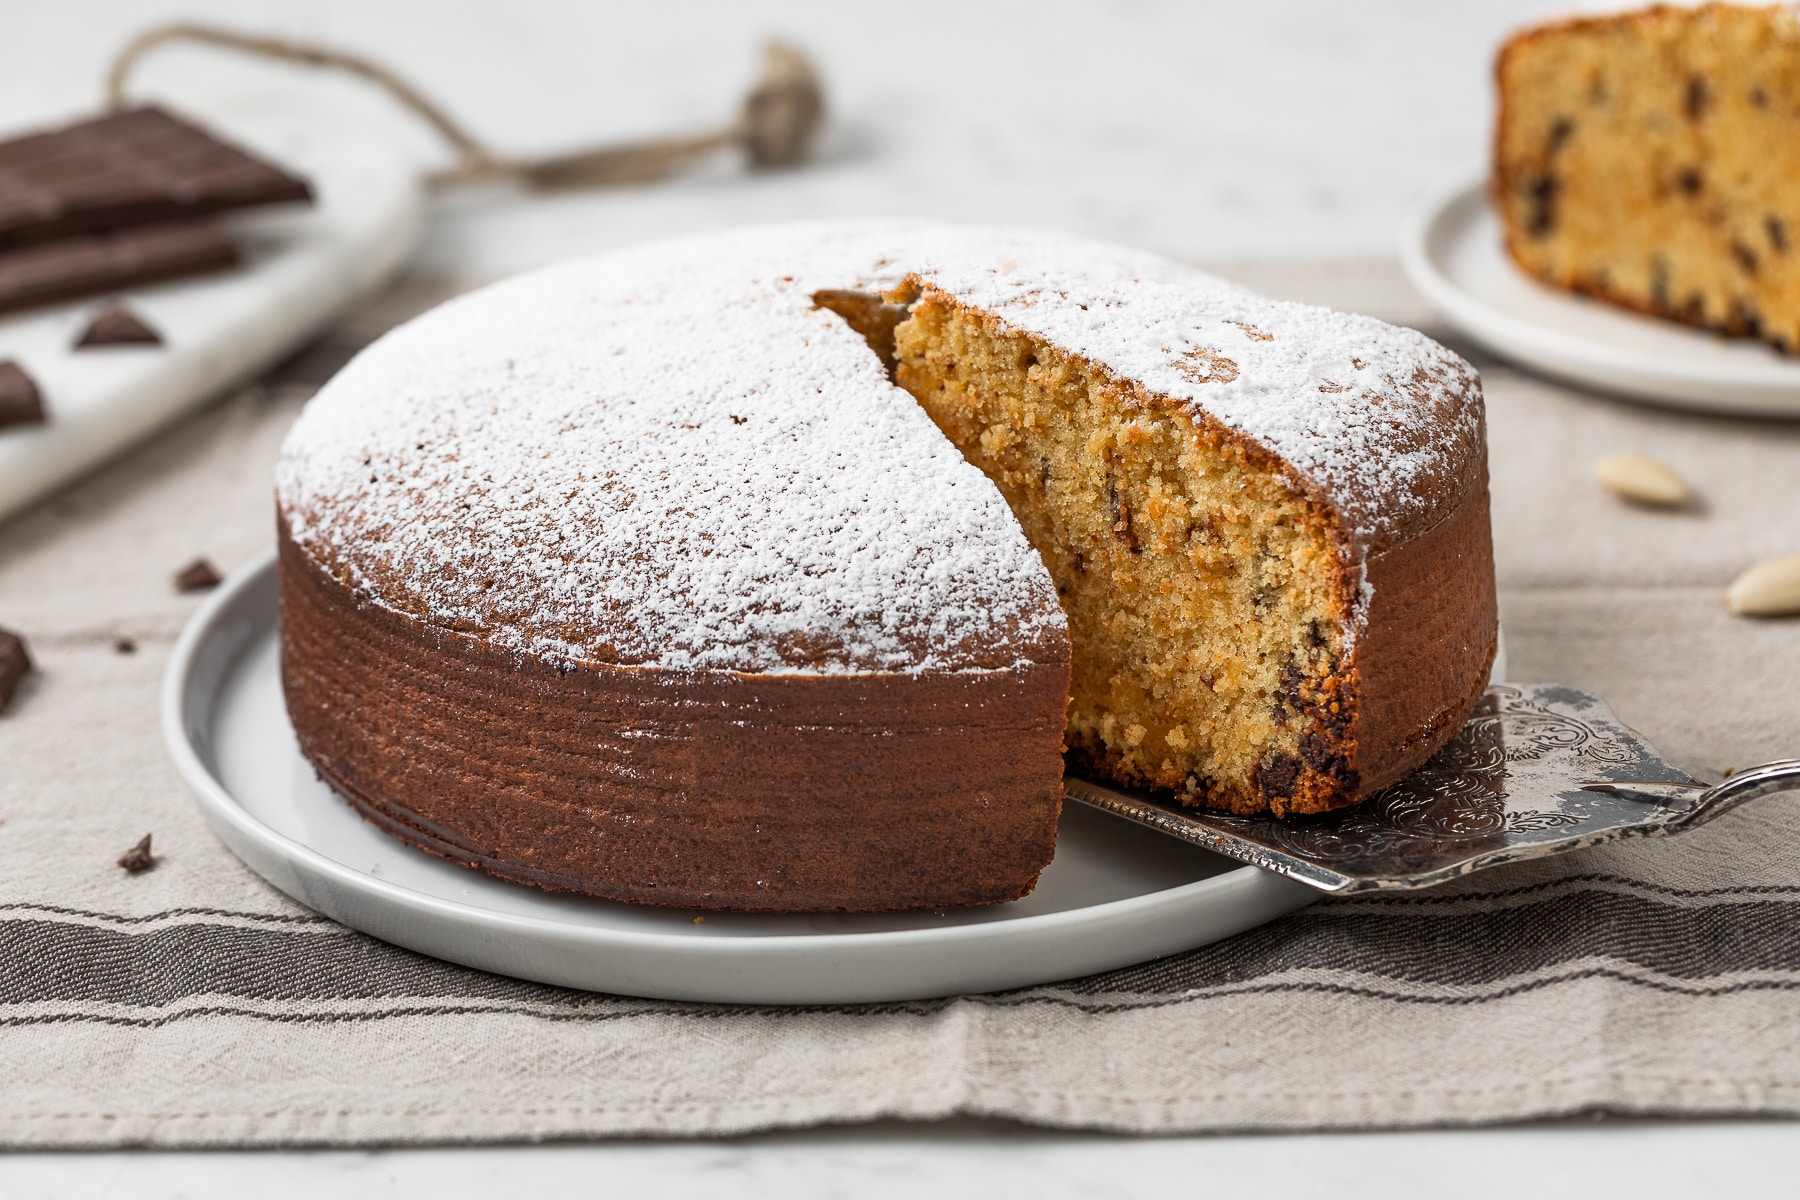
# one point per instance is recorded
(1455, 255)
(1116, 893)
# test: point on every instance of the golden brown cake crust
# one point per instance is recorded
(692, 789)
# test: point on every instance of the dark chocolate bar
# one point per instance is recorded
(87, 264)
(126, 169)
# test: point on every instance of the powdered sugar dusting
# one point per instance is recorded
(670, 457)
(1375, 416)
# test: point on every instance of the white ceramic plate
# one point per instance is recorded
(302, 267)
(1454, 255)
(1116, 893)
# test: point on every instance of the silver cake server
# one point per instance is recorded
(1536, 770)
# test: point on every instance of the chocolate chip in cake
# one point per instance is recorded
(116, 325)
(1542, 218)
(20, 401)
(1694, 102)
(1777, 233)
(1759, 98)
(197, 576)
(1121, 515)
(1278, 775)
(1746, 257)
(1560, 129)
(15, 664)
(138, 858)
(1689, 181)
(124, 645)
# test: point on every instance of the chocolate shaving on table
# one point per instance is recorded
(776, 125)
(88, 264)
(138, 858)
(116, 325)
(139, 167)
(197, 576)
(20, 401)
(124, 645)
(15, 664)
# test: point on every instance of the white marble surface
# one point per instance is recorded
(1218, 132)
(1214, 131)
(1573, 1161)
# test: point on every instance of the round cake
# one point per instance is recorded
(780, 569)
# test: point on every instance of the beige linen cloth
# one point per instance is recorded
(196, 1005)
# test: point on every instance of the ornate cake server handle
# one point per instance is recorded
(1536, 770)
(1764, 779)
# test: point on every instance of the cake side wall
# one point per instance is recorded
(1422, 661)
(704, 790)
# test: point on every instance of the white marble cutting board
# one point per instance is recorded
(302, 266)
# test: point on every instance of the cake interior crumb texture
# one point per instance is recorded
(1202, 589)
(1652, 159)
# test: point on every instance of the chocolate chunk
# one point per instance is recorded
(1121, 514)
(1746, 257)
(197, 576)
(1278, 775)
(1560, 129)
(1777, 234)
(129, 168)
(20, 403)
(1695, 100)
(15, 664)
(116, 325)
(138, 858)
(124, 645)
(88, 264)
(1688, 180)
(1542, 218)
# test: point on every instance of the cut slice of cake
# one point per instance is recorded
(1213, 590)
(1652, 159)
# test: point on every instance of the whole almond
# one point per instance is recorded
(1769, 589)
(1642, 480)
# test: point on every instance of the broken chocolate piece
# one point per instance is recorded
(197, 576)
(138, 858)
(20, 403)
(91, 263)
(124, 645)
(129, 168)
(116, 325)
(15, 664)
